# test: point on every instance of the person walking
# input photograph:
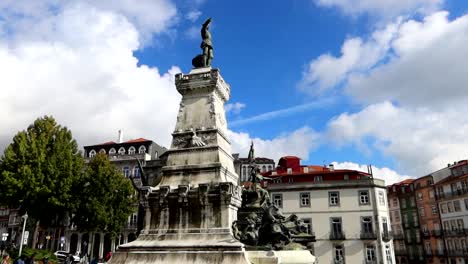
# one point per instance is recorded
(6, 259)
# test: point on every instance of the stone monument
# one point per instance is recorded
(189, 213)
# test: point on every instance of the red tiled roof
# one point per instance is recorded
(137, 140)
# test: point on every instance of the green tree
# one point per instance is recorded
(106, 197)
(38, 169)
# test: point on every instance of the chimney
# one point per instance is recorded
(331, 167)
(120, 136)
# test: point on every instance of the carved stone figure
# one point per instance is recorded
(204, 59)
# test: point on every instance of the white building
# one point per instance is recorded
(346, 210)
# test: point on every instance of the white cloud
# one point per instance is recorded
(390, 176)
(78, 66)
(193, 15)
(428, 69)
(382, 8)
(420, 140)
(147, 16)
(235, 108)
(193, 32)
(299, 143)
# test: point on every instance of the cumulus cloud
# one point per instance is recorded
(78, 66)
(357, 55)
(390, 176)
(299, 143)
(382, 8)
(193, 15)
(420, 140)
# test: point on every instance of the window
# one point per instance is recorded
(388, 254)
(339, 254)
(443, 208)
(403, 203)
(397, 216)
(440, 191)
(412, 202)
(370, 253)
(385, 225)
(136, 172)
(431, 194)
(112, 151)
(318, 178)
(363, 197)
(366, 225)
(434, 209)
(460, 224)
(305, 169)
(415, 218)
(102, 151)
(305, 199)
(395, 202)
(334, 198)
(346, 177)
(450, 207)
(92, 153)
(466, 204)
(278, 200)
(142, 149)
(126, 171)
(381, 198)
(427, 246)
(420, 196)
(131, 150)
(121, 151)
(336, 226)
(405, 219)
(308, 222)
(422, 212)
(456, 205)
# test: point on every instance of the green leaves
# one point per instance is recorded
(107, 198)
(37, 170)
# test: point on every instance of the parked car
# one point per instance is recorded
(62, 255)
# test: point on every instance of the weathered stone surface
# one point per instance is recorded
(281, 257)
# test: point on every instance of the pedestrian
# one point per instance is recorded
(6, 259)
(20, 260)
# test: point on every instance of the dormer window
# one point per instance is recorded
(289, 171)
(112, 151)
(142, 149)
(122, 151)
(102, 151)
(131, 150)
(92, 153)
(306, 169)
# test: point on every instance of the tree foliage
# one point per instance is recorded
(38, 169)
(106, 197)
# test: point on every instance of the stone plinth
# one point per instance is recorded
(188, 215)
(281, 257)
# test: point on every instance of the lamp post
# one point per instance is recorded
(25, 218)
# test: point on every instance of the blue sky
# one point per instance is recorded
(353, 82)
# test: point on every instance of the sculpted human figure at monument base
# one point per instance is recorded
(204, 59)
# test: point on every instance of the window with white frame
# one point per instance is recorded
(102, 151)
(366, 225)
(278, 200)
(422, 212)
(403, 203)
(131, 150)
(434, 209)
(112, 151)
(92, 153)
(381, 198)
(370, 253)
(412, 202)
(339, 254)
(334, 198)
(388, 254)
(420, 196)
(289, 171)
(305, 199)
(466, 204)
(395, 202)
(364, 197)
(456, 205)
(121, 151)
(450, 207)
(142, 150)
(136, 172)
(126, 171)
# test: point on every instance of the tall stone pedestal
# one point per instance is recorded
(189, 213)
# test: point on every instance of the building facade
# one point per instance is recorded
(346, 210)
(124, 156)
(241, 166)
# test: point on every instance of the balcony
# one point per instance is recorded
(368, 235)
(457, 253)
(456, 232)
(436, 232)
(387, 236)
(452, 194)
(337, 236)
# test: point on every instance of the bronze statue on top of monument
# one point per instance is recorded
(204, 59)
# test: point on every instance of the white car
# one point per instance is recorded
(62, 255)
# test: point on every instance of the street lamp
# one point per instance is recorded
(25, 218)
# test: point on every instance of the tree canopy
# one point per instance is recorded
(38, 168)
(106, 197)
